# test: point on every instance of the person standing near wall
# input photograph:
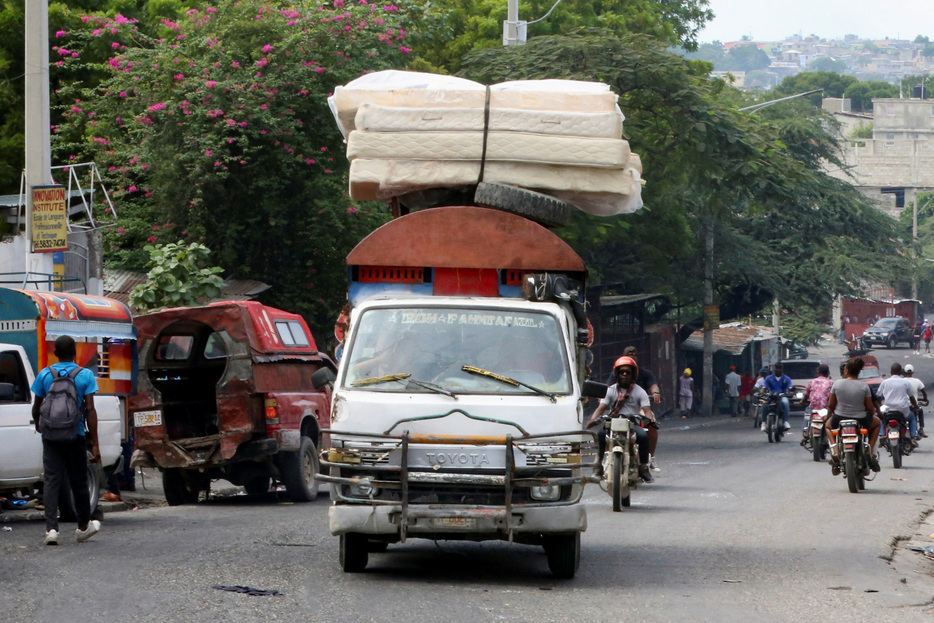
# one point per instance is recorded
(733, 382)
(685, 393)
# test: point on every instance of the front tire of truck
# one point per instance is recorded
(299, 470)
(177, 489)
(354, 552)
(564, 554)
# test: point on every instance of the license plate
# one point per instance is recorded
(893, 434)
(147, 418)
(452, 522)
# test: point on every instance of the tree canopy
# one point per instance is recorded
(218, 130)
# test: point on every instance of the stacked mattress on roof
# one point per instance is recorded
(408, 131)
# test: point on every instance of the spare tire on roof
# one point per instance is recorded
(539, 207)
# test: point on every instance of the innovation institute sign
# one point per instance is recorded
(49, 219)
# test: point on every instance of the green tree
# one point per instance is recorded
(177, 277)
(922, 39)
(833, 84)
(908, 84)
(445, 30)
(928, 50)
(744, 58)
(753, 182)
(825, 63)
(218, 131)
(861, 94)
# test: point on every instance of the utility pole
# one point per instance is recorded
(38, 121)
(514, 31)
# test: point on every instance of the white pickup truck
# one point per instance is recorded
(21, 445)
(30, 321)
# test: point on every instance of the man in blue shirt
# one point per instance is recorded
(778, 383)
(61, 459)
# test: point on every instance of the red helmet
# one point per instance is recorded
(626, 361)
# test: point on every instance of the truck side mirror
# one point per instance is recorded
(322, 377)
(7, 392)
(594, 389)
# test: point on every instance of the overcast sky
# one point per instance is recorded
(773, 20)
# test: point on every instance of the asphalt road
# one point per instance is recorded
(734, 529)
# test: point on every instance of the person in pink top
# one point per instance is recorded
(817, 394)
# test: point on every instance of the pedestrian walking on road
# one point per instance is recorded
(733, 382)
(64, 414)
(926, 334)
(685, 392)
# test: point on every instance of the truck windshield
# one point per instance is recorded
(434, 344)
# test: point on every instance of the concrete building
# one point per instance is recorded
(897, 163)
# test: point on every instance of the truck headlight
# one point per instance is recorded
(363, 489)
(546, 493)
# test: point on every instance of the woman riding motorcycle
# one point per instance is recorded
(622, 399)
(851, 399)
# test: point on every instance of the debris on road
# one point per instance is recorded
(256, 592)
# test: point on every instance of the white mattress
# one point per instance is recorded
(347, 102)
(602, 192)
(373, 118)
(501, 147)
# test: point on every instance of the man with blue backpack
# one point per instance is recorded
(64, 414)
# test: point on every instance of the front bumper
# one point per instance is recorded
(486, 523)
(875, 338)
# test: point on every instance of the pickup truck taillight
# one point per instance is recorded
(272, 411)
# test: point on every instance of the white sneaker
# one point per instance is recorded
(94, 526)
(652, 465)
(787, 425)
(51, 537)
(763, 427)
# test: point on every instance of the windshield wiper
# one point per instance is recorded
(508, 381)
(405, 376)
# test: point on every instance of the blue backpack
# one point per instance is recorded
(59, 414)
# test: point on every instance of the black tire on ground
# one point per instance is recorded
(627, 501)
(770, 427)
(257, 485)
(617, 478)
(299, 470)
(892, 343)
(564, 554)
(66, 500)
(376, 547)
(779, 430)
(178, 490)
(538, 207)
(354, 552)
(852, 476)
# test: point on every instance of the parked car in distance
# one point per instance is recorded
(888, 331)
(796, 350)
(800, 371)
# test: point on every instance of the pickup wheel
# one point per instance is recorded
(893, 341)
(354, 552)
(299, 470)
(178, 490)
(564, 554)
(538, 207)
(66, 500)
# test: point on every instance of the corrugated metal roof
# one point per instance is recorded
(731, 338)
(119, 283)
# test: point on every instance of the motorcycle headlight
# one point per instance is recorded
(546, 493)
(799, 395)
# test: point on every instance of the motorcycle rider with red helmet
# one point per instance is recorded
(625, 398)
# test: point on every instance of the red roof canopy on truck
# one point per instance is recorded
(466, 237)
(268, 331)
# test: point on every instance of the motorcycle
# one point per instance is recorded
(896, 439)
(621, 460)
(815, 438)
(852, 444)
(774, 416)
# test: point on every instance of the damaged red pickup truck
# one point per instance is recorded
(229, 391)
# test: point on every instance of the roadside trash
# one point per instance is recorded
(258, 592)
(899, 479)
(7, 528)
(733, 581)
(927, 550)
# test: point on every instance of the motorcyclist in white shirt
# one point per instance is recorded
(897, 393)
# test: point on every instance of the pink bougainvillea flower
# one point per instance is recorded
(267, 49)
(151, 239)
(207, 152)
(132, 189)
(60, 33)
(120, 230)
(210, 84)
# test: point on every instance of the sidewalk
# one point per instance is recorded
(148, 494)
